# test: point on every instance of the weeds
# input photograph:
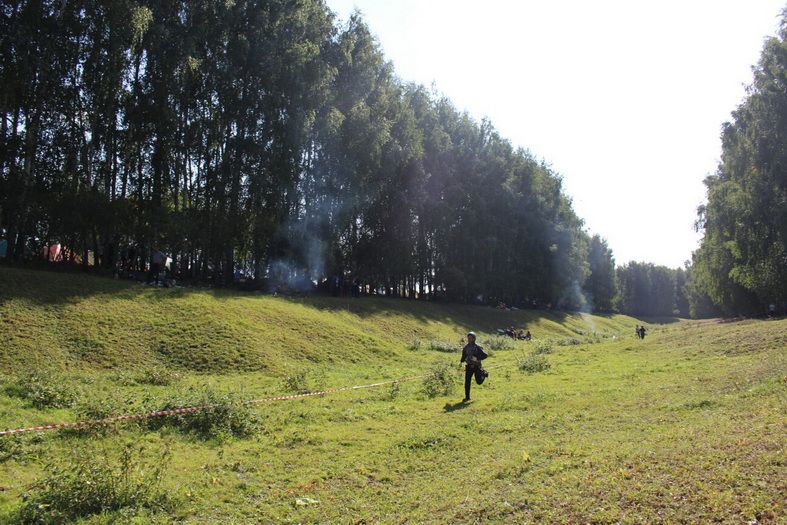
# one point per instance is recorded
(542, 347)
(443, 346)
(499, 343)
(296, 383)
(19, 448)
(42, 389)
(226, 416)
(157, 376)
(93, 409)
(534, 363)
(427, 442)
(394, 391)
(89, 485)
(439, 381)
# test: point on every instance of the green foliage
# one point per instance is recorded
(499, 343)
(443, 346)
(601, 286)
(43, 389)
(158, 376)
(741, 265)
(534, 363)
(542, 347)
(304, 381)
(297, 382)
(439, 381)
(631, 417)
(646, 290)
(225, 416)
(19, 448)
(92, 483)
(283, 144)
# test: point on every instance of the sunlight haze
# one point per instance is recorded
(624, 99)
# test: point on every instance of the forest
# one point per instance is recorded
(270, 143)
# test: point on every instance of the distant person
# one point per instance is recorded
(636, 332)
(642, 332)
(156, 262)
(528, 336)
(472, 355)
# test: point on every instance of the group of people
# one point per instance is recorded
(640, 331)
(521, 335)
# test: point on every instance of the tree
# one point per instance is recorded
(601, 285)
(741, 265)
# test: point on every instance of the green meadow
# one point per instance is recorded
(584, 424)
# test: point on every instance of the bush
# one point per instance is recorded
(20, 447)
(542, 347)
(100, 408)
(157, 376)
(569, 341)
(298, 382)
(534, 363)
(439, 381)
(499, 343)
(89, 485)
(43, 389)
(443, 346)
(226, 416)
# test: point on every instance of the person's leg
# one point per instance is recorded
(468, 380)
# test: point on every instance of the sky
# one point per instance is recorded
(624, 99)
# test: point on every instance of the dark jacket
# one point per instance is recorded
(472, 353)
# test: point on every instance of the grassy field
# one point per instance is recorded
(586, 424)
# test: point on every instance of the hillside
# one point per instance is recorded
(583, 424)
(78, 320)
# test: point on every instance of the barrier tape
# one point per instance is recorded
(198, 408)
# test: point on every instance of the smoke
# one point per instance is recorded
(285, 277)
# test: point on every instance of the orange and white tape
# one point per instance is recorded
(190, 409)
(198, 408)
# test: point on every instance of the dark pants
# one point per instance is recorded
(155, 270)
(469, 373)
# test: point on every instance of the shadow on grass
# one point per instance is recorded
(48, 285)
(453, 407)
(659, 320)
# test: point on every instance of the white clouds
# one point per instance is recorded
(625, 99)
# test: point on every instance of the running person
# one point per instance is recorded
(472, 355)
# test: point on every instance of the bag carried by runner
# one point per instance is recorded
(480, 375)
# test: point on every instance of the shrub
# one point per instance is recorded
(43, 389)
(439, 381)
(157, 376)
(88, 485)
(20, 447)
(534, 363)
(569, 341)
(542, 347)
(100, 408)
(499, 343)
(226, 416)
(298, 382)
(394, 391)
(443, 346)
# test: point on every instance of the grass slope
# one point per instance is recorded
(685, 426)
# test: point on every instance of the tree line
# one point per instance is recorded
(265, 140)
(741, 265)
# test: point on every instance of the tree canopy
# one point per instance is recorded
(267, 140)
(741, 266)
